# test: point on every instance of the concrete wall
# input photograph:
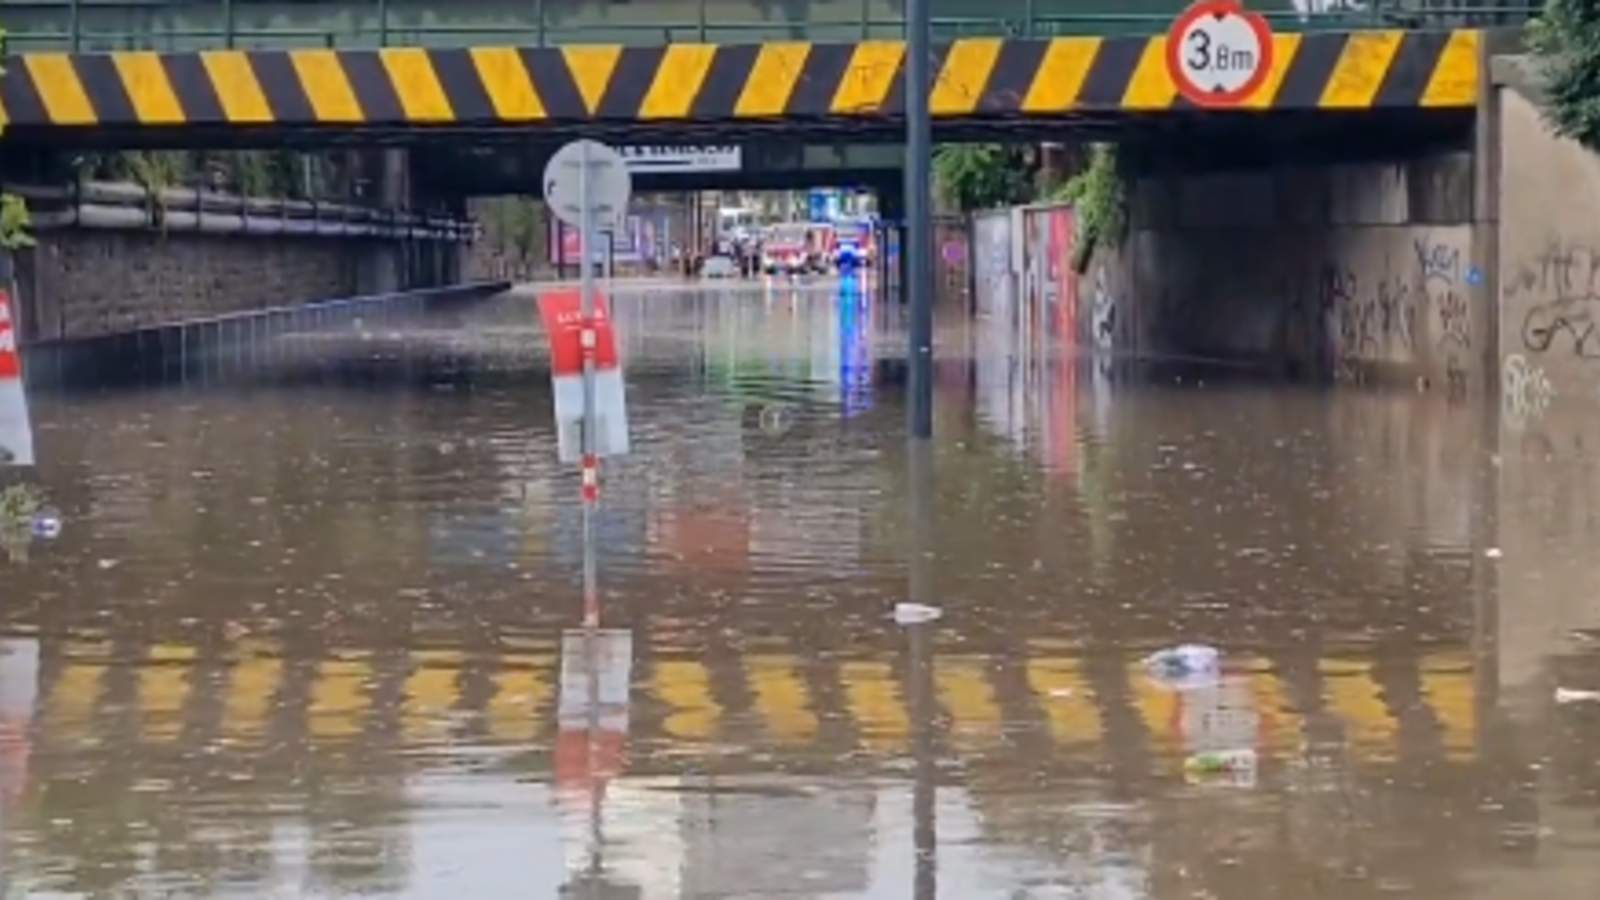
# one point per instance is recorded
(1359, 271)
(1549, 263)
(82, 283)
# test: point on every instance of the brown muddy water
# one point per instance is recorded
(308, 641)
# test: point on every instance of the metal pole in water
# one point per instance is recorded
(591, 465)
(919, 212)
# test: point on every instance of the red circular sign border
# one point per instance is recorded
(1212, 99)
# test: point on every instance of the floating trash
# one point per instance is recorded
(1184, 661)
(915, 613)
(1573, 695)
(776, 419)
(46, 524)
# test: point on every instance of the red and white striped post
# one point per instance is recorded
(591, 414)
(590, 491)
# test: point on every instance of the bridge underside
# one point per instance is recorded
(985, 89)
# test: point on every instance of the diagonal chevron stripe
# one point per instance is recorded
(247, 698)
(975, 79)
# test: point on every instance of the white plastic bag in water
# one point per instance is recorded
(1185, 664)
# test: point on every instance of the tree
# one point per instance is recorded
(1565, 39)
(967, 177)
(13, 213)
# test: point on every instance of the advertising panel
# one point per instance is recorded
(645, 236)
(1049, 291)
(992, 259)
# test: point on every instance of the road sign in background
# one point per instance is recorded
(650, 160)
(1219, 54)
(609, 184)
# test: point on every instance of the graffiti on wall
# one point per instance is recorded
(1560, 289)
(1444, 280)
(1103, 312)
(1412, 308)
(1050, 292)
(1358, 318)
(1525, 391)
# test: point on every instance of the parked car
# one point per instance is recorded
(719, 267)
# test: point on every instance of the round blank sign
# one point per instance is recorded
(606, 194)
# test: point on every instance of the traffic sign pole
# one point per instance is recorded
(591, 474)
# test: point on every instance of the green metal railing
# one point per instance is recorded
(90, 26)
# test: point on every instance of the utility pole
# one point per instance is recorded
(918, 246)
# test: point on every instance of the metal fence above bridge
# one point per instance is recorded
(95, 26)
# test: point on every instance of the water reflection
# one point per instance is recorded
(310, 642)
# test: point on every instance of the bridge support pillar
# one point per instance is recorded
(892, 210)
(383, 264)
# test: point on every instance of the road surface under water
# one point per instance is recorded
(308, 641)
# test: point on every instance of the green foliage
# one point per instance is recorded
(1565, 39)
(18, 503)
(516, 226)
(969, 177)
(1098, 196)
(14, 223)
(13, 210)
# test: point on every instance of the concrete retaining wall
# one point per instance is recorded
(1354, 271)
(81, 283)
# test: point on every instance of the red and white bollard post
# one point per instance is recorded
(590, 490)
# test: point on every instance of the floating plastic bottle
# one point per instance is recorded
(1220, 762)
(45, 524)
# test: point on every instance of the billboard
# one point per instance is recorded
(644, 236)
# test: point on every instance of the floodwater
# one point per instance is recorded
(308, 641)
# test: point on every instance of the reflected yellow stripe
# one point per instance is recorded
(1450, 690)
(522, 694)
(966, 692)
(1283, 728)
(1067, 700)
(165, 680)
(1354, 696)
(431, 692)
(685, 685)
(340, 698)
(74, 697)
(253, 685)
(781, 696)
(1158, 707)
(873, 695)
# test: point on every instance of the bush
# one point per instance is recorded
(1565, 39)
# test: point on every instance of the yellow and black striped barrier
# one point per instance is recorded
(250, 696)
(978, 79)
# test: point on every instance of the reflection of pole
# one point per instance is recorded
(591, 648)
(919, 212)
(924, 826)
(591, 474)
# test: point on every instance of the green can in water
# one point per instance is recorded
(1219, 762)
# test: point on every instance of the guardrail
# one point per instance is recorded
(229, 346)
(376, 25)
(128, 206)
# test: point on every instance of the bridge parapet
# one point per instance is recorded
(994, 81)
(77, 26)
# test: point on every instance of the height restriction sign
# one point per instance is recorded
(1219, 54)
